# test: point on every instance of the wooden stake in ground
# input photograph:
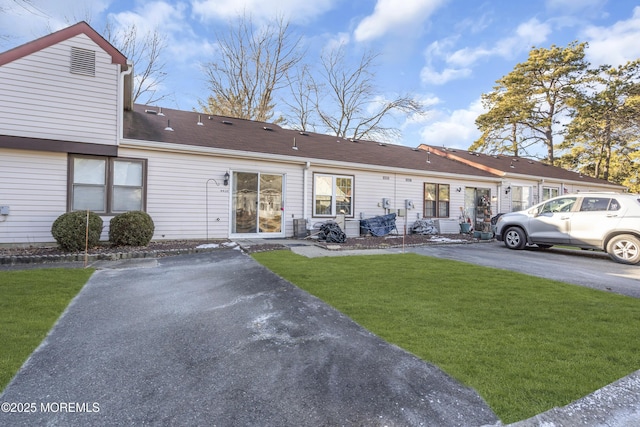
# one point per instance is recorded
(86, 241)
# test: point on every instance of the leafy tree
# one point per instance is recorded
(252, 65)
(526, 105)
(603, 134)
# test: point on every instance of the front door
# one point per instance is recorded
(257, 204)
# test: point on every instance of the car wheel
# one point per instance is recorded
(624, 249)
(514, 238)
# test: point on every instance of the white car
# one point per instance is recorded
(608, 222)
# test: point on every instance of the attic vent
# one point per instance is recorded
(304, 133)
(226, 122)
(267, 128)
(151, 111)
(83, 62)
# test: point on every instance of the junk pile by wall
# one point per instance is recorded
(379, 225)
(332, 233)
(424, 226)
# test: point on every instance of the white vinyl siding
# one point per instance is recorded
(41, 98)
(183, 188)
(34, 186)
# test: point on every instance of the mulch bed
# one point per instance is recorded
(391, 241)
(163, 248)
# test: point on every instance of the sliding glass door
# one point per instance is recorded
(257, 204)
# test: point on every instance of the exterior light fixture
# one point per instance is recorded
(507, 190)
(226, 179)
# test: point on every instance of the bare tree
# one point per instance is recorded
(26, 5)
(301, 103)
(252, 65)
(145, 51)
(347, 103)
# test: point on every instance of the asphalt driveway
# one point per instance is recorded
(217, 339)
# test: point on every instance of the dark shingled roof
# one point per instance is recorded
(512, 166)
(259, 137)
(144, 123)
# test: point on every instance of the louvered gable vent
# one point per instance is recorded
(83, 61)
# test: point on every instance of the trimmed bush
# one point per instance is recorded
(133, 228)
(69, 230)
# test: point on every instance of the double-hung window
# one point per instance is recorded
(106, 185)
(436, 200)
(332, 195)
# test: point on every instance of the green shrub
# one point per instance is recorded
(70, 230)
(133, 228)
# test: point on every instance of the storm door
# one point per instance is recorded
(477, 202)
(257, 204)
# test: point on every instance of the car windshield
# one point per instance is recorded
(563, 204)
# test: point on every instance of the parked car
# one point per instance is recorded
(608, 222)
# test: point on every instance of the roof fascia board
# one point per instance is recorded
(467, 162)
(60, 36)
(220, 152)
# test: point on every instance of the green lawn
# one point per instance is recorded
(526, 344)
(30, 303)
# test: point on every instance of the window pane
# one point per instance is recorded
(89, 171)
(323, 205)
(127, 199)
(343, 198)
(443, 192)
(87, 197)
(127, 173)
(443, 209)
(429, 191)
(429, 209)
(323, 195)
(324, 185)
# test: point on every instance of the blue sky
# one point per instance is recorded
(445, 52)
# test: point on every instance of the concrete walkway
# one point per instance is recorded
(216, 339)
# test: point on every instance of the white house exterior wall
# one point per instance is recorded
(41, 98)
(371, 186)
(34, 187)
(179, 185)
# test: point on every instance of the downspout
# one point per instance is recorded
(120, 101)
(305, 193)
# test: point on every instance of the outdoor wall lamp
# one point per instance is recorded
(226, 179)
(459, 189)
(507, 190)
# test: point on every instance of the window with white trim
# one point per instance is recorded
(332, 195)
(106, 185)
(550, 192)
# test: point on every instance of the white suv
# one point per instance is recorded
(608, 222)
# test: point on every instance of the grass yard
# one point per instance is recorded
(526, 344)
(30, 303)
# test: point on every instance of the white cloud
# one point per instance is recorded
(458, 64)
(260, 10)
(614, 45)
(336, 41)
(25, 21)
(391, 16)
(454, 130)
(163, 16)
(428, 75)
